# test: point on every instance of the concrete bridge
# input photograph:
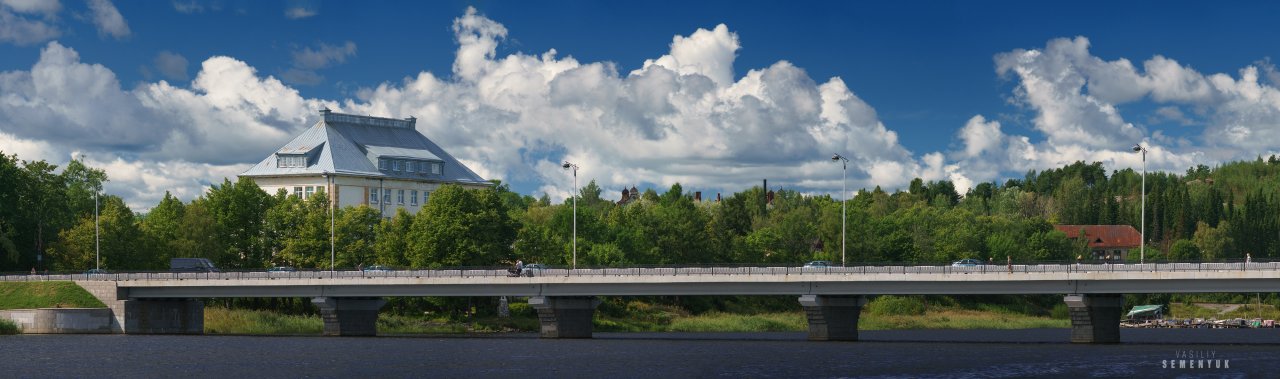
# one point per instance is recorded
(565, 299)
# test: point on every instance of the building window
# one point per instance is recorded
(425, 195)
(386, 196)
(435, 168)
(410, 166)
(373, 195)
(297, 191)
(400, 197)
(310, 190)
(382, 164)
(291, 161)
(395, 165)
(413, 197)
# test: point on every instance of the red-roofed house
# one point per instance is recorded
(1115, 240)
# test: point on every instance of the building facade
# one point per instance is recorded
(383, 163)
(1105, 240)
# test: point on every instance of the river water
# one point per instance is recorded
(910, 353)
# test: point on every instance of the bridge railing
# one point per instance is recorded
(861, 269)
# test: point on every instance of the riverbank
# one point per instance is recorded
(239, 321)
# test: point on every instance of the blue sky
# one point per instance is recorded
(644, 94)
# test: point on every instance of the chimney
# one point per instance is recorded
(717, 197)
(697, 196)
(412, 121)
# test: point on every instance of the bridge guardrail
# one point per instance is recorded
(664, 271)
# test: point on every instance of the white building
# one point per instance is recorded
(380, 162)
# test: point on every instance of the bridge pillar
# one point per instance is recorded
(1095, 318)
(565, 316)
(349, 316)
(163, 316)
(832, 318)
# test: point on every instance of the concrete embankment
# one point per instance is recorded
(60, 320)
(55, 308)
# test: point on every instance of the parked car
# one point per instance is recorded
(818, 264)
(379, 268)
(282, 269)
(966, 263)
(94, 271)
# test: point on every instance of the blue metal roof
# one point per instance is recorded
(351, 144)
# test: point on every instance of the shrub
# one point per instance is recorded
(8, 326)
(896, 306)
(1060, 312)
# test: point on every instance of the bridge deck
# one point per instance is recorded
(860, 280)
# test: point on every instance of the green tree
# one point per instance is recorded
(239, 209)
(458, 227)
(1184, 251)
(356, 235)
(119, 241)
(1214, 243)
(163, 231)
(392, 240)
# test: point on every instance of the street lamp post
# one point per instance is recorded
(567, 166)
(844, 178)
(332, 256)
(1142, 249)
(97, 244)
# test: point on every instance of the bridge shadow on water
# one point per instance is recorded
(1045, 336)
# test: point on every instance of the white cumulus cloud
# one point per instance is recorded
(25, 22)
(108, 19)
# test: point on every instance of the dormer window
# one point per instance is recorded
(291, 161)
(435, 168)
(382, 164)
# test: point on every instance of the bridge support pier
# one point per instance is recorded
(349, 316)
(163, 316)
(565, 316)
(1095, 318)
(832, 318)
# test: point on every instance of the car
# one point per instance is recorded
(818, 264)
(379, 268)
(970, 262)
(533, 268)
(282, 269)
(191, 265)
(95, 271)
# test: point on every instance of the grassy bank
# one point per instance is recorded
(218, 320)
(1224, 311)
(29, 295)
(882, 314)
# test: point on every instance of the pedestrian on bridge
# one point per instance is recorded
(1009, 260)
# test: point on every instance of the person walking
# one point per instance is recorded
(1009, 260)
(519, 267)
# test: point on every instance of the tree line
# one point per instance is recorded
(1225, 212)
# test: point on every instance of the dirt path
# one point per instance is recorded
(1221, 308)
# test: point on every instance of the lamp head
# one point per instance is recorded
(1137, 148)
(835, 157)
(566, 165)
